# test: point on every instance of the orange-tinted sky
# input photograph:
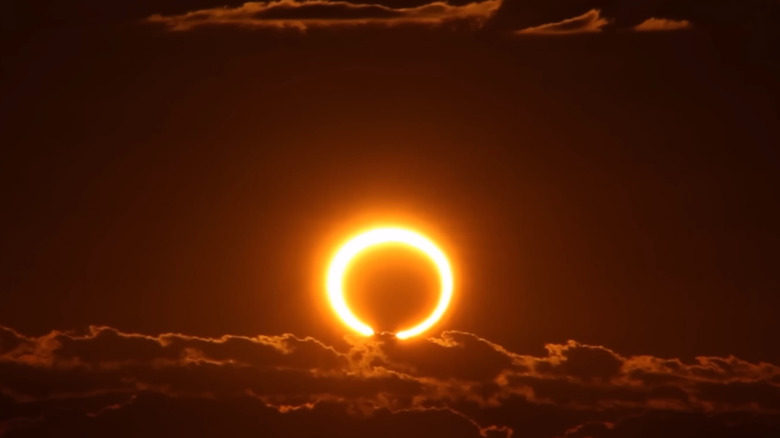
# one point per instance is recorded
(600, 172)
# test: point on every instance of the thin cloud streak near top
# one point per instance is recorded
(319, 13)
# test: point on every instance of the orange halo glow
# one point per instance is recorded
(378, 236)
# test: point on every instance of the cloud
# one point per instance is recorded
(661, 24)
(753, 17)
(595, 20)
(591, 21)
(457, 384)
(303, 14)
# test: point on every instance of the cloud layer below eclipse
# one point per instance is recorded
(107, 382)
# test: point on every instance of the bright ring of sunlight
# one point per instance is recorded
(378, 236)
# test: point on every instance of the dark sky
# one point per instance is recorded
(603, 174)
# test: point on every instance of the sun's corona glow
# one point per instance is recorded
(378, 236)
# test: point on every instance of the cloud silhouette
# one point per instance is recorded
(626, 14)
(105, 381)
(324, 13)
(653, 24)
(755, 18)
(520, 16)
(590, 21)
(595, 21)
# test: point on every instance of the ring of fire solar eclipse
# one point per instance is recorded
(378, 236)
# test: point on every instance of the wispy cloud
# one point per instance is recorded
(662, 24)
(589, 22)
(301, 14)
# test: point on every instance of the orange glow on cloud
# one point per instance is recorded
(661, 24)
(301, 15)
(589, 22)
(379, 236)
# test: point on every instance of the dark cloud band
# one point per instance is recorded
(65, 383)
(322, 13)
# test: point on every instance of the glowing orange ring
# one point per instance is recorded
(378, 236)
